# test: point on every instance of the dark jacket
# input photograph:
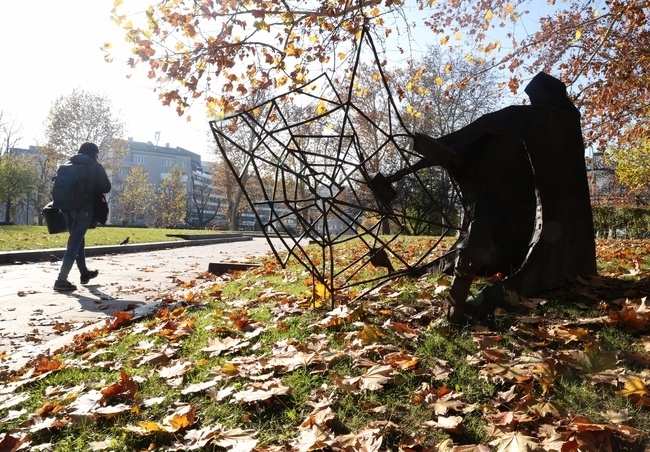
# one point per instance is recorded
(96, 178)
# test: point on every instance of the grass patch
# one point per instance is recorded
(17, 238)
(260, 367)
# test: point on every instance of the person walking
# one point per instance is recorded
(76, 187)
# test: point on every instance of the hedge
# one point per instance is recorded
(621, 222)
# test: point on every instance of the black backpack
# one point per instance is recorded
(70, 190)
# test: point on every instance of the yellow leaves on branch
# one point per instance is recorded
(321, 109)
(578, 34)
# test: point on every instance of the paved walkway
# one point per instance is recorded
(34, 318)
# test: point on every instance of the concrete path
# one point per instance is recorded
(34, 318)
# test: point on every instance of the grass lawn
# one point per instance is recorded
(14, 238)
(251, 362)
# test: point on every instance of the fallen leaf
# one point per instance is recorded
(451, 424)
(125, 388)
(237, 440)
(516, 442)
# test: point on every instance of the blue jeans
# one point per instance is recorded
(78, 222)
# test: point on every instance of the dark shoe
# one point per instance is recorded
(64, 286)
(88, 276)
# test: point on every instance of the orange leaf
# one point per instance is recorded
(121, 319)
(183, 418)
(628, 319)
(45, 365)
(126, 388)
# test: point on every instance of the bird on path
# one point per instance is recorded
(379, 258)
(125, 241)
(52, 257)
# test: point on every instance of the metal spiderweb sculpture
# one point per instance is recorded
(316, 183)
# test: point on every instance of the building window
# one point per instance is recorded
(140, 159)
(184, 164)
(167, 162)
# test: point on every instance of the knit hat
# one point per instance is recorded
(90, 149)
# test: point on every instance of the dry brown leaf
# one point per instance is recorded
(516, 442)
(262, 391)
(375, 377)
(320, 415)
(125, 388)
(177, 369)
(628, 319)
(144, 428)
(451, 424)
(49, 423)
(121, 319)
(112, 410)
(45, 365)
(403, 330)
(217, 346)
(11, 400)
(237, 440)
(10, 443)
(198, 387)
(370, 335)
(401, 360)
(313, 438)
(294, 360)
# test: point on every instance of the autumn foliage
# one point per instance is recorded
(220, 52)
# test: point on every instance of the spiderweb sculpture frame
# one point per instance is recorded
(309, 183)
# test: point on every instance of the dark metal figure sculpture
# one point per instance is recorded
(520, 173)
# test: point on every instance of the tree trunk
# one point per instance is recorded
(7, 210)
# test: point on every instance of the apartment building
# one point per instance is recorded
(157, 161)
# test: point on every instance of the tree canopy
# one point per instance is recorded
(136, 195)
(85, 116)
(220, 52)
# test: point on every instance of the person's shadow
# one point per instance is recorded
(106, 303)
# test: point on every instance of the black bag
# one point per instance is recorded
(100, 209)
(54, 219)
(70, 189)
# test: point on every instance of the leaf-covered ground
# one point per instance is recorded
(251, 362)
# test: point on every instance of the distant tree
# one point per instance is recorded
(204, 196)
(46, 160)
(228, 187)
(441, 93)
(10, 133)
(18, 182)
(171, 202)
(84, 116)
(135, 197)
(237, 162)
